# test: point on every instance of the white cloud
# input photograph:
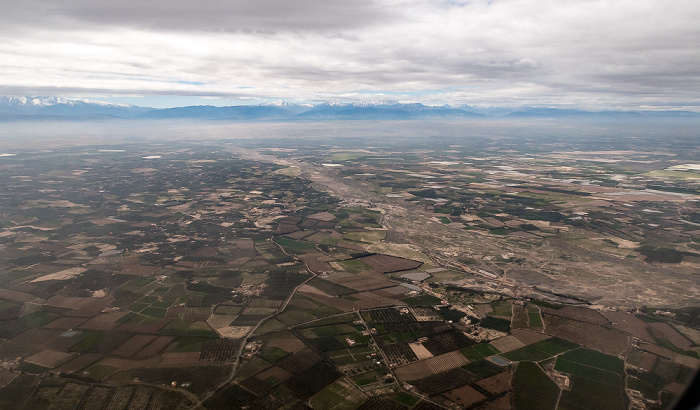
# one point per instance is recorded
(544, 52)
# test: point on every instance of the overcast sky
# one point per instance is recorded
(591, 54)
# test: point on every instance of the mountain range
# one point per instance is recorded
(52, 108)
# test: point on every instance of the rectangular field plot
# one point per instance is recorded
(528, 399)
(540, 350)
(507, 343)
(353, 355)
(588, 372)
(413, 371)
(530, 376)
(443, 382)
(446, 361)
(328, 331)
(533, 316)
(594, 359)
(589, 394)
(339, 395)
(370, 377)
(483, 368)
(502, 325)
(496, 384)
(479, 351)
(354, 266)
(464, 396)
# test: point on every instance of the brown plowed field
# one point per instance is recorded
(464, 396)
(133, 345)
(496, 384)
(578, 313)
(153, 348)
(664, 330)
(629, 323)
(595, 337)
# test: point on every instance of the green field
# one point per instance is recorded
(335, 320)
(404, 398)
(334, 330)
(328, 331)
(423, 300)
(533, 316)
(483, 368)
(330, 287)
(501, 308)
(593, 358)
(181, 328)
(190, 343)
(354, 266)
(530, 400)
(588, 372)
(339, 395)
(369, 377)
(351, 355)
(155, 312)
(479, 351)
(137, 284)
(26, 322)
(273, 354)
(293, 245)
(533, 388)
(529, 375)
(540, 351)
(6, 304)
(647, 389)
(495, 323)
(586, 393)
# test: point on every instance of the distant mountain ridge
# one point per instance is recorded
(30, 108)
(58, 106)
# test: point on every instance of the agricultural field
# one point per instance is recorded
(533, 389)
(141, 275)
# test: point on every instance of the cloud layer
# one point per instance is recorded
(584, 53)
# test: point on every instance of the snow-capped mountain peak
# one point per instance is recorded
(50, 101)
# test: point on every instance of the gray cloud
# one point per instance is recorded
(592, 53)
(269, 16)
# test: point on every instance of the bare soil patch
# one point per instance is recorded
(664, 330)
(527, 336)
(177, 358)
(501, 403)
(65, 323)
(68, 302)
(291, 345)
(579, 313)
(40, 337)
(629, 323)
(446, 361)
(496, 384)
(595, 337)
(155, 347)
(420, 351)
(80, 362)
(104, 321)
(414, 371)
(507, 343)
(465, 396)
(50, 358)
(133, 345)
(140, 270)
